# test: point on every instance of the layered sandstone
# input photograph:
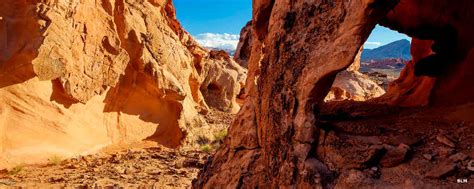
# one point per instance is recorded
(76, 76)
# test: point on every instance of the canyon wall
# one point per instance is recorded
(79, 75)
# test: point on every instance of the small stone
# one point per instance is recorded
(428, 156)
(445, 140)
(443, 170)
(458, 157)
(470, 165)
(194, 163)
(3, 171)
(56, 179)
(375, 169)
(445, 152)
(126, 176)
(409, 140)
(119, 170)
(395, 156)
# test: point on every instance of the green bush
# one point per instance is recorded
(17, 169)
(55, 160)
(206, 148)
(220, 136)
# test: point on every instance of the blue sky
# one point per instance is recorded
(213, 16)
(217, 23)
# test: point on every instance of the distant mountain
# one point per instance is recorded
(396, 50)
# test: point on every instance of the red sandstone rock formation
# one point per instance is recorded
(298, 50)
(76, 76)
(244, 48)
(409, 89)
(449, 25)
(276, 139)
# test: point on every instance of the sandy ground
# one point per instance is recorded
(143, 164)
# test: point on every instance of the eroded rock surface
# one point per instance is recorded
(244, 48)
(283, 137)
(299, 48)
(350, 84)
(76, 76)
(442, 52)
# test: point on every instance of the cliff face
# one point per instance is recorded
(280, 139)
(244, 48)
(76, 76)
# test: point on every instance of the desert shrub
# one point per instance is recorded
(206, 148)
(55, 160)
(219, 136)
(17, 169)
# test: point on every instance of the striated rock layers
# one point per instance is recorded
(278, 138)
(79, 75)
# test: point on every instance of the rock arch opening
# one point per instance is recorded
(378, 63)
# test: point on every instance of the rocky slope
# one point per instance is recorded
(76, 76)
(285, 136)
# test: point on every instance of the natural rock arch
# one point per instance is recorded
(298, 48)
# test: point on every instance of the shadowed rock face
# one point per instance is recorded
(244, 48)
(76, 76)
(448, 60)
(298, 48)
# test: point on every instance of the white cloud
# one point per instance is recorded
(373, 43)
(220, 41)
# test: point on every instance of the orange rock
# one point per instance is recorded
(78, 76)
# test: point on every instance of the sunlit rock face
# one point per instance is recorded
(76, 76)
